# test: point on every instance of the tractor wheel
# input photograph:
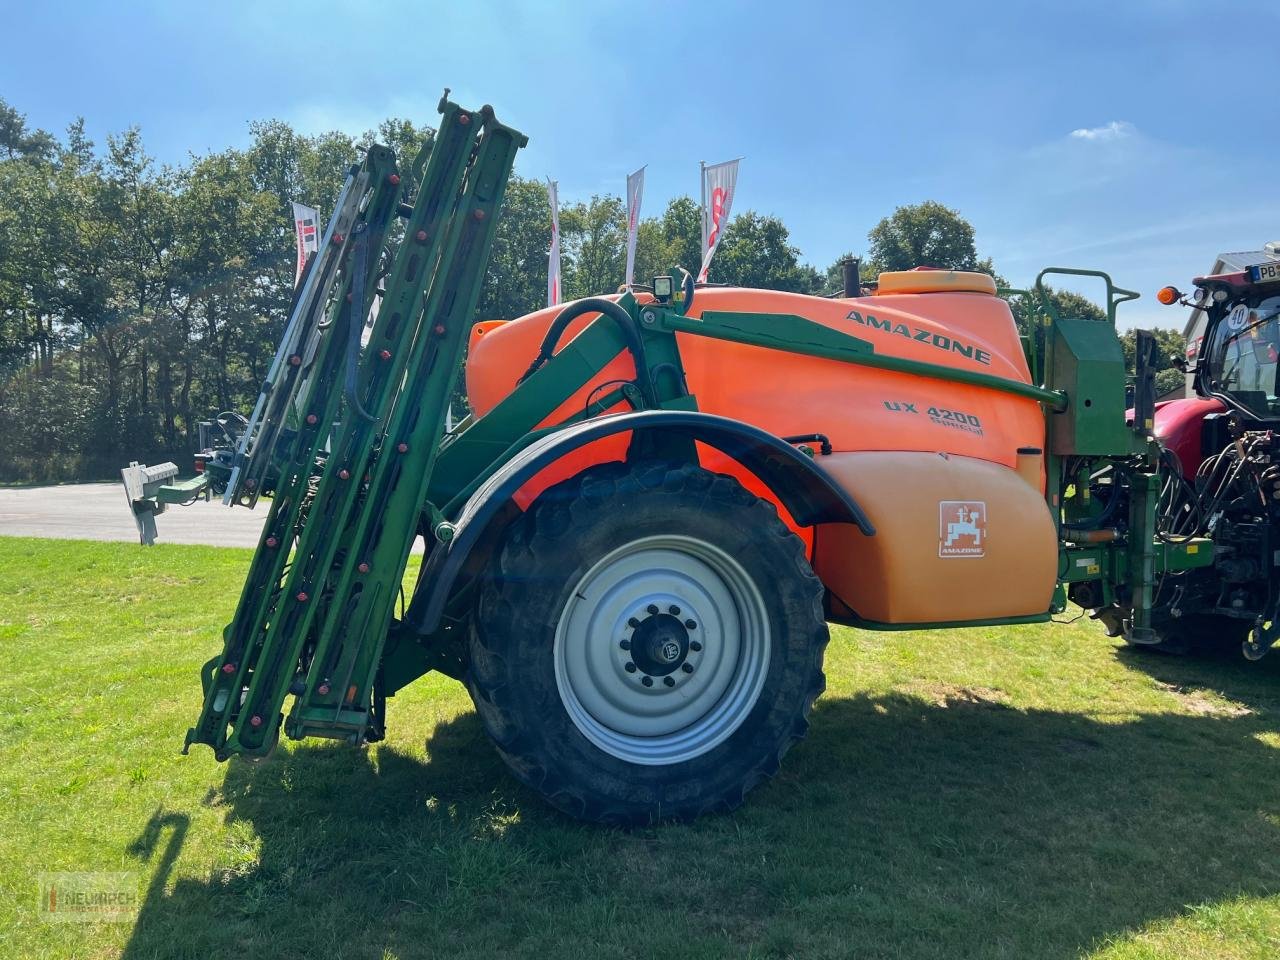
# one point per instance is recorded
(1196, 633)
(649, 644)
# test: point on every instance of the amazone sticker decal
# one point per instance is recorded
(938, 340)
(962, 528)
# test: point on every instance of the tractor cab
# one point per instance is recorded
(1239, 361)
(1233, 357)
(1219, 364)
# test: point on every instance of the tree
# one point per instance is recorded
(17, 141)
(403, 136)
(1168, 380)
(681, 230)
(137, 299)
(756, 252)
(516, 279)
(1030, 309)
(925, 235)
(593, 242)
(673, 240)
(1169, 344)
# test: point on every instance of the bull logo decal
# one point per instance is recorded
(962, 528)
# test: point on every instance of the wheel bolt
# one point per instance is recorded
(695, 646)
(625, 644)
(673, 610)
(652, 608)
(687, 667)
(691, 624)
(647, 680)
(630, 667)
(669, 681)
(633, 623)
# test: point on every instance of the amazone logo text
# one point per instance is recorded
(923, 336)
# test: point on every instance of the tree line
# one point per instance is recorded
(138, 298)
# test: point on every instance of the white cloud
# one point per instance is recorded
(1115, 130)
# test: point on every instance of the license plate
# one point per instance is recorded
(1265, 272)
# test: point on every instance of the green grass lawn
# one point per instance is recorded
(1014, 792)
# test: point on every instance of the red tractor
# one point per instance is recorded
(1223, 449)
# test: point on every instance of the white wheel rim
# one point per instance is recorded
(705, 651)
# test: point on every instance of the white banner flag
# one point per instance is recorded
(306, 225)
(553, 258)
(635, 191)
(719, 181)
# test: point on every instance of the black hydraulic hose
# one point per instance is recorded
(1215, 479)
(606, 308)
(1224, 486)
(1103, 519)
(1169, 525)
(688, 290)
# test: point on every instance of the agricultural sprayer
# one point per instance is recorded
(635, 541)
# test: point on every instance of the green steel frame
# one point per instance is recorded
(312, 619)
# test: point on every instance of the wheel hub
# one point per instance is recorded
(662, 649)
(660, 645)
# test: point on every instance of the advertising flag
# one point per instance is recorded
(635, 191)
(306, 224)
(553, 258)
(719, 181)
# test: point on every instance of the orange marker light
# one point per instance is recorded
(1168, 295)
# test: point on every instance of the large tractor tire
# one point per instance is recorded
(648, 645)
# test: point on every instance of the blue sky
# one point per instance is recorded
(1111, 135)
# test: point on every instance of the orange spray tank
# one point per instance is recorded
(950, 474)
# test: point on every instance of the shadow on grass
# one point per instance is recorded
(1218, 667)
(938, 823)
